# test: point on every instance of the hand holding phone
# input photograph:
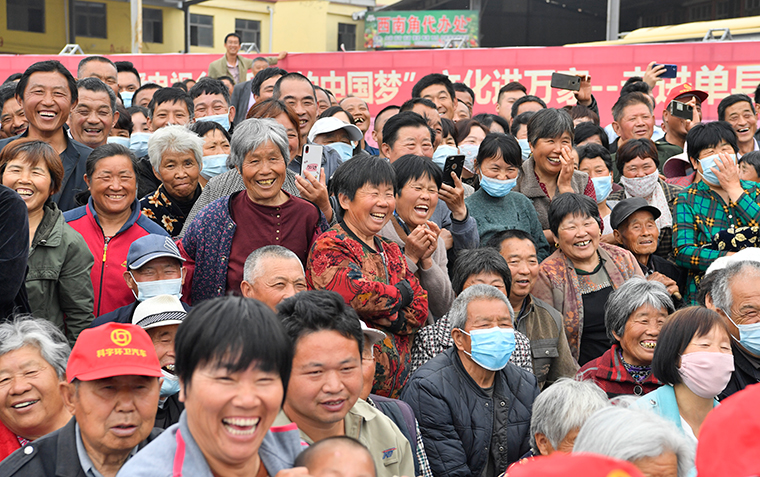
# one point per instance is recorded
(568, 82)
(681, 110)
(671, 71)
(454, 164)
(311, 159)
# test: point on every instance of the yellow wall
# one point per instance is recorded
(225, 12)
(50, 42)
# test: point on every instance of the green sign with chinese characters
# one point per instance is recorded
(422, 29)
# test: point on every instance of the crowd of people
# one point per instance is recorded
(183, 297)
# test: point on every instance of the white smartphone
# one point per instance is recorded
(311, 160)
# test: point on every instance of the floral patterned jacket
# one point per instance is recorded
(382, 290)
(159, 208)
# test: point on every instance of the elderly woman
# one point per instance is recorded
(579, 277)
(216, 149)
(33, 356)
(231, 353)
(370, 272)
(634, 316)
(176, 155)
(637, 164)
(59, 260)
(559, 413)
(494, 206)
(642, 438)
(110, 222)
(550, 171)
(694, 359)
(226, 231)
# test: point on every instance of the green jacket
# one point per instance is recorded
(58, 280)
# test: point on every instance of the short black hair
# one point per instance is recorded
(479, 260)
(207, 85)
(97, 86)
(146, 87)
(201, 128)
(232, 333)
(319, 310)
(128, 67)
(752, 158)
(142, 110)
(580, 111)
(706, 135)
(99, 59)
(48, 66)
(592, 150)
(463, 88)
(519, 120)
(333, 110)
(634, 84)
(109, 150)
(498, 238)
(731, 100)
(449, 128)
(402, 120)
(502, 146)
(292, 76)
(634, 148)
(306, 457)
(171, 95)
(7, 91)
(180, 85)
(548, 124)
(487, 120)
(411, 167)
(125, 119)
(361, 170)
(464, 128)
(757, 94)
(386, 109)
(588, 129)
(430, 80)
(13, 77)
(511, 86)
(240, 40)
(682, 326)
(629, 99)
(571, 204)
(706, 285)
(409, 104)
(526, 99)
(264, 75)
(227, 78)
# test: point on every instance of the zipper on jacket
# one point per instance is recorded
(102, 269)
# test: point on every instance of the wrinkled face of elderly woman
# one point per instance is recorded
(30, 396)
(664, 465)
(263, 172)
(639, 337)
(179, 173)
(370, 209)
(578, 237)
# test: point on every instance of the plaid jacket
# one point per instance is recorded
(701, 213)
(608, 373)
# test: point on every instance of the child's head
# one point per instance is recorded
(339, 456)
(749, 167)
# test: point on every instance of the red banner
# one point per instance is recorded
(386, 77)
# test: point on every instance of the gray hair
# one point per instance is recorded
(548, 124)
(97, 86)
(562, 407)
(253, 133)
(633, 434)
(174, 138)
(632, 295)
(720, 293)
(251, 269)
(40, 333)
(458, 311)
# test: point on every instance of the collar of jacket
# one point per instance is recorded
(529, 186)
(50, 231)
(133, 216)
(498, 379)
(68, 460)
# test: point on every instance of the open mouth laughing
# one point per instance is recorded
(241, 426)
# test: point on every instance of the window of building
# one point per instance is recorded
(90, 19)
(249, 31)
(752, 7)
(700, 12)
(25, 15)
(347, 36)
(153, 25)
(201, 30)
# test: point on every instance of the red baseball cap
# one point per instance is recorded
(685, 88)
(561, 464)
(728, 439)
(113, 349)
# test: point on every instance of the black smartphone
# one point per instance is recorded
(681, 110)
(671, 71)
(569, 82)
(453, 164)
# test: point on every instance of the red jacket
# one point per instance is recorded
(8, 442)
(609, 373)
(111, 291)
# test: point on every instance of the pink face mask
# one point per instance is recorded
(706, 374)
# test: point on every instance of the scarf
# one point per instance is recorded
(649, 188)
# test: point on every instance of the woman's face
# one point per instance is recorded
(31, 182)
(640, 334)
(416, 201)
(113, 185)
(716, 341)
(639, 167)
(214, 142)
(475, 137)
(179, 173)
(578, 237)
(292, 131)
(370, 209)
(449, 141)
(547, 152)
(496, 168)
(263, 172)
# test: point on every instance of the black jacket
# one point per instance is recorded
(745, 372)
(168, 415)
(123, 314)
(14, 253)
(52, 455)
(456, 416)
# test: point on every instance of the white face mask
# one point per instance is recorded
(640, 186)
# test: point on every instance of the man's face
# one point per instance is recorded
(12, 119)
(482, 314)
(462, 112)
(409, 140)
(259, 65)
(357, 108)
(161, 268)
(267, 88)
(169, 113)
(277, 279)
(211, 105)
(92, 118)
(438, 94)
(47, 101)
(465, 98)
(504, 106)
(529, 106)
(676, 125)
(326, 379)
(745, 306)
(523, 264)
(128, 81)
(639, 233)
(637, 122)
(299, 95)
(341, 460)
(163, 341)
(232, 45)
(103, 71)
(433, 120)
(143, 97)
(323, 101)
(743, 120)
(114, 414)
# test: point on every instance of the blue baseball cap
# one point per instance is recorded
(145, 249)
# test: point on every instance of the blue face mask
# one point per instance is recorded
(138, 143)
(214, 165)
(603, 187)
(170, 385)
(126, 98)
(524, 148)
(470, 152)
(749, 335)
(222, 119)
(346, 151)
(496, 187)
(124, 141)
(146, 290)
(443, 151)
(707, 164)
(491, 348)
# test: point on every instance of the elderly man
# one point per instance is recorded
(12, 119)
(154, 267)
(739, 111)
(272, 274)
(326, 379)
(359, 110)
(473, 407)
(101, 68)
(113, 393)
(95, 114)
